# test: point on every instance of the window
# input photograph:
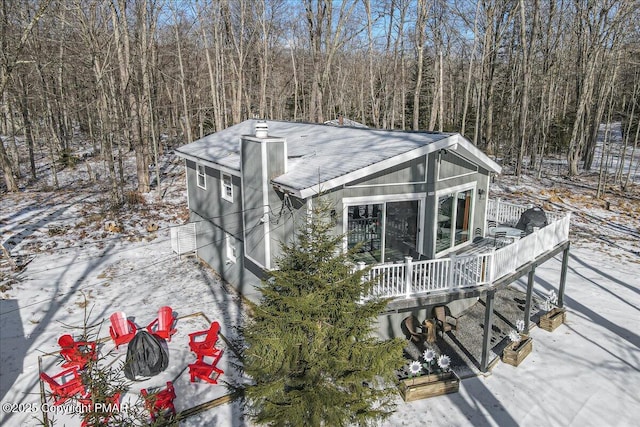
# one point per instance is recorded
(383, 232)
(454, 219)
(202, 182)
(227, 187)
(230, 248)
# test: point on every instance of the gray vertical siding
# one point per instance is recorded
(212, 250)
(286, 215)
(280, 224)
(209, 203)
(452, 165)
(458, 170)
(454, 171)
(243, 219)
(214, 217)
(253, 199)
(413, 171)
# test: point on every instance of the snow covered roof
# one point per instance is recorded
(343, 121)
(321, 157)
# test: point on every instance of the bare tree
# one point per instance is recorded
(527, 49)
(10, 58)
(327, 34)
(420, 41)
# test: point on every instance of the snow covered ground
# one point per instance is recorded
(585, 373)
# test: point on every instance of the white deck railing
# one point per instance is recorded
(509, 213)
(415, 278)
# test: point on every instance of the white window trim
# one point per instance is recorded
(383, 199)
(202, 174)
(229, 247)
(457, 189)
(223, 189)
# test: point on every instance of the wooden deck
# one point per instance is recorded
(474, 268)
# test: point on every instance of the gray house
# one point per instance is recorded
(401, 194)
(416, 202)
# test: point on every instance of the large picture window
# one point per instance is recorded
(454, 219)
(383, 231)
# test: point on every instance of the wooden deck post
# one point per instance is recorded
(563, 275)
(488, 325)
(527, 305)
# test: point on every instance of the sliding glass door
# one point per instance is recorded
(401, 230)
(454, 222)
(364, 230)
(463, 217)
(384, 232)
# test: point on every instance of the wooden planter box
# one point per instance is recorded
(428, 386)
(552, 319)
(515, 353)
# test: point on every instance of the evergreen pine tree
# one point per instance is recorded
(310, 345)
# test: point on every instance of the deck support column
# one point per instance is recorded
(563, 275)
(527, 305)
(488, 325)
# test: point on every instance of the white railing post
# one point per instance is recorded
(361, 266)
(452, 268)
(423, 277)
(408, 275)
(491, 265)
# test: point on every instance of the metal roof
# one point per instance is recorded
(323, 156)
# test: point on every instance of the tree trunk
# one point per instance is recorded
(527, 49)
(420, 35)
(578, 134)
(28, 131)
(9, 179)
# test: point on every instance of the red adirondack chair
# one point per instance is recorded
(76, 353)
(162, 326)
(204, 371)
(68, 385)
(206, 346)
(122, 330)
(160, 402)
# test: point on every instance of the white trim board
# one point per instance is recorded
(456, 189)
(265, 206)
(383, 199)
(369, 170)
(454, 142)
(209, 163)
